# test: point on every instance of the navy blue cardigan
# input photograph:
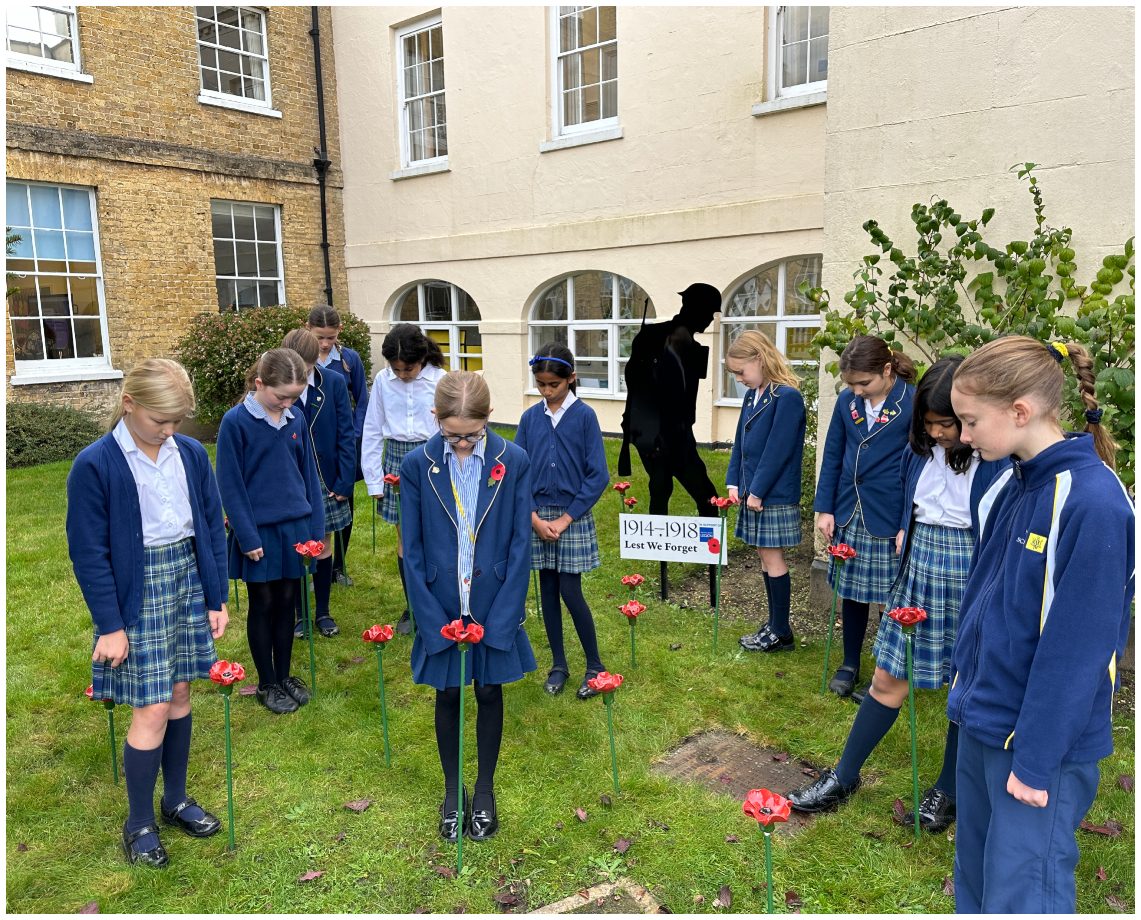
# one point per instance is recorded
(863, 466)
(501, 572)
(330, 419)
(568, 462)
(267, 476)
(105, 531)
(911, 468)
(768, 448)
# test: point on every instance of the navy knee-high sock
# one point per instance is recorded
(946, 780)
(768, 597)
(780, 600)
(175, 758)
(140, 774)
(322, 586)
(873, 721)
(855, 616)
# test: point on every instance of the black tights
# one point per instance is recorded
(488, 737)
(855, 621)
(269, 627)
(569, 585)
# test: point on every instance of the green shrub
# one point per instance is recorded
(39, 433)
(219, 348)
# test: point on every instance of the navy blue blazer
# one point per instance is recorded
(768, 448)
(501, 573)
(105, 531)
(351, 370)
(861, 465)
(911, 467)
(330, 419)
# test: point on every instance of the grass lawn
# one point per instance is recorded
(294, 774)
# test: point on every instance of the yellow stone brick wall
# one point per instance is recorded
(156, 157)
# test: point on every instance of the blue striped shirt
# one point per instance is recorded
(257, 410)
(465, 478)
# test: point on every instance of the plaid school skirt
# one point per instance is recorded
(868, 577)
(773, 525)
(338, 515)
(575, 551)
(170, 643)
(933, 577)
(394, 454)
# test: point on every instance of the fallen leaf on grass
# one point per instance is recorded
(898, 812)
(91, 907)
(724, 897)
(675, 646)
(780, 756)
(21, 848)
(732, 838)
(358, 805)
(792, 901)
(559, 825)
(421, 910)
(445, 871)
(779, 674)
(1100, 874)
(873, 835)
(1125, 781)
(659, 824)
(357, 659)
(662, 909)
(948, 886)
(604, 799)
(1110, 829)
(1117, 904)
(725, 778)
(340, 837)
(621, 844)
(311, 875)
(584, 893)
(598, 902)
(247, 691)
(808, 771)
(908, 845)
(580, 813)
(699, 899)
(506, 898)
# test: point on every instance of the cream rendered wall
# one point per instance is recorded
(938, 102)
(696, 189)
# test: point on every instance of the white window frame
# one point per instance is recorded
(259, 279)
(42, 64)
(605, 128)
(776, 64)
(439, 162)
(615, 362)
(453, 326)
(50, 370)
(232, 100)
(780, 318)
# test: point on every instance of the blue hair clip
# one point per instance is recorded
(535, 360)
(1093, 416)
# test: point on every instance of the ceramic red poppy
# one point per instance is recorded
(767, 807)
(378, 633)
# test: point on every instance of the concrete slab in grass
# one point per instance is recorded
(622, 896)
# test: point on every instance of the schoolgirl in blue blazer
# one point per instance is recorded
(147, 543)
(325, 323)
(465, 499)
(858, 500)
(765, 474)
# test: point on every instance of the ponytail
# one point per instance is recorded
(869, 354)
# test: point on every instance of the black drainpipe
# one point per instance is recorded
(321, 162)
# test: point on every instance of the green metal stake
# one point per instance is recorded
(372, 501)
(110, 707)
(831, 627)
(768, 868)
(338, 544)
(633, 657)
(460, 793)
(535, 586)
(229, 767)
(717, 585)
(308, 629)
(909, 636)
(237, 597)
(608, 698)
(383, 707)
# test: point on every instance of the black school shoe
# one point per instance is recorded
(154, 858)
(556, 680)
(844, 680)
(327, 626)
(205, 826)
(295, 687)
(449, 820)
(823, 793)
(299, 631)
(276, 700)
(484, 822)
(936, 811)
(404, 627)
(765, 640)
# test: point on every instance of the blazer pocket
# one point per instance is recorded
(501, 570)
(432, 572)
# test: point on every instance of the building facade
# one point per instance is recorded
(160, 164)
(516, 175)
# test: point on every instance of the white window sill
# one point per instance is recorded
(586, 137)
(424, 169)
(785, 103)
(49, 70)
(725, 403)
(239, 104)
(31, 378)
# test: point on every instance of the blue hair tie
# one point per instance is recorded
(1093, 416)
(535, 360)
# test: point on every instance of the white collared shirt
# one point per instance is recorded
(557, 416)
(334, 355)
(943, 496)
(871, 413)
(257, 410)
(164, 496)
(312, 382)
(398, 411)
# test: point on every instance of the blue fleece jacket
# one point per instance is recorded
(568, 463)
(105, 531)
(768, 448)
(1046, 611)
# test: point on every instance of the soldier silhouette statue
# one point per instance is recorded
(662, 376)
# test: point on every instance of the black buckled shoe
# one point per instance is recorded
(584, 692)
(404, 627)
(484, 823)
(296, 688)
(327, 626)
(276, 700)
(556, 680)
(299, 630)
(823, 793)
(844, 680)
(154, 858)
(936, 811)
(449, 821)
(342, 579)
(765, 640)
(205, 826)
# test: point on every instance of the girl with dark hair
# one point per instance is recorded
(562, 436)
(325, 323)
(858, 501)
(943, 481)
(398, 420)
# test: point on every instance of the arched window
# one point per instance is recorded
(596, 315)
(448, 315)
(770, 301)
